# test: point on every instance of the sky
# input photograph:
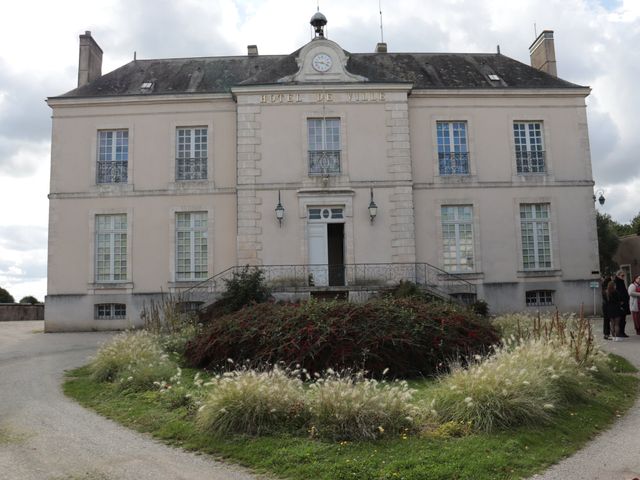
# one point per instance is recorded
(596, 45)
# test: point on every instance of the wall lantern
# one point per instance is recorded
(279, 210)
(600, 196)
(373, 208)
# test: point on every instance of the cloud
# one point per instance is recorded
(23, 238)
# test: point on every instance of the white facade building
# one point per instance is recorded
(165, 173)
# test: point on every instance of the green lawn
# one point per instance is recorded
(513, 454)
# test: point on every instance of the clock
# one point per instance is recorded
(321, 62)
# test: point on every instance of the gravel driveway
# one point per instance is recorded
(45, 436)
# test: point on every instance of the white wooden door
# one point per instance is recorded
(318, 253)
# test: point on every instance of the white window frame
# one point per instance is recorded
(110, 311)
(192, 231)
(116, 238)
(457, 223)
(539, 298)
(530, 156)
(322, 159)
(452, 166)
(196, 167)
(107, 159)
(539, 226)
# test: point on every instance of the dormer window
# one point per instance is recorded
(146, 87)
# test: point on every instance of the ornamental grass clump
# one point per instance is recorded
(523, 382)
(351, 407)
(132, 360)
(253, 402)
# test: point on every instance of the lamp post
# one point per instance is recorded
(599, 195)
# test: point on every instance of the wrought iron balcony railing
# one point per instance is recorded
(530, 161)
(324, 162)
(191, 168)
(112, 172)
(359, 276)
(453, 163)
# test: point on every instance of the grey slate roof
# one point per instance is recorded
(220, 74)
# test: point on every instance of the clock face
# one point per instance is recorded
(321, 62)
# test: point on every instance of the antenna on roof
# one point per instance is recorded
(134, 55)
(381, 31)
(535, 30)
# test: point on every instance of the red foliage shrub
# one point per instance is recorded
(409, 336)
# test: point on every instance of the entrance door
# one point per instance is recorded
(326, 246)
(335, 242)
(318, 253)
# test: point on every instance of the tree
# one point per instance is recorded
(29, 299)
(623, 229)
(608, 242)
(5, 297)
(635, 224)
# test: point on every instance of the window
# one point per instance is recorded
(113, 156)
(457, 237)
(536, 236)
(539, 298)
(529, 147)
(326, 213)
(191, 153)
(111, 248)
(453, 152)
(191, 246)
(110, 311)
(324, 146)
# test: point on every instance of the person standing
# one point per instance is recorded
(634, 307)
(615, 310)
(621, 287)
(606, 321)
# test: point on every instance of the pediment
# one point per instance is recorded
(322, 61)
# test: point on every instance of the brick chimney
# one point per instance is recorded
(252, 50)
(90, 63)
(543, 53)
(381, 47)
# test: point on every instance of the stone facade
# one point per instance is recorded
(373, 123)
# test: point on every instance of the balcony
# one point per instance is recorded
(191, 168)
(324, 162)
(298, 279)
(112, 172)
(453, 163)
(530, 161)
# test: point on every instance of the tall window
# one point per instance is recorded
(324, 146)
(453, 151)
(529, 147)
(457, 237)
(113, 156)
(536, 236)
(191, 246)
(111, 248)
(191, 153)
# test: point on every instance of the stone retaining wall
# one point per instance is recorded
(20, 311)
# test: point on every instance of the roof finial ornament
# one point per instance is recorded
(318, 21)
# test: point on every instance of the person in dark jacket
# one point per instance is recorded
(622, 290)
(615, 310)
(606, 323)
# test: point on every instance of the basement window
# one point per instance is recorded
(110, 311)
(539, 298)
